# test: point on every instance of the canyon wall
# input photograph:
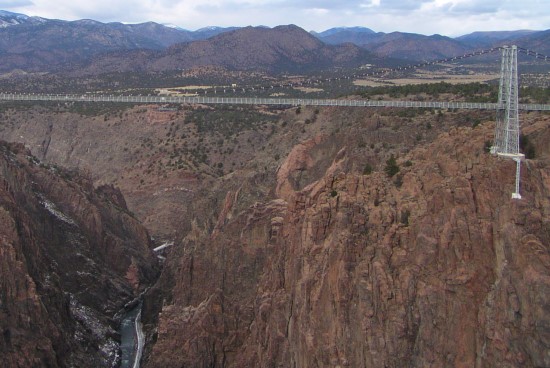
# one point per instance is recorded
(434, 267)
(71, 257)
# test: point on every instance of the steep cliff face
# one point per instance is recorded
(167, 164)
(435, 267)
(71, 256)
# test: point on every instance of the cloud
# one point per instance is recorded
(402, 5)
(7, 4)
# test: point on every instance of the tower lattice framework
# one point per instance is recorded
(507, 123)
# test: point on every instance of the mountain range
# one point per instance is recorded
(35, 44)
(283, 48)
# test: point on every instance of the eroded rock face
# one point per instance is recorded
(70, 258)
(438, 268)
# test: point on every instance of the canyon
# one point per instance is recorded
(72, 256)
(305, 253)
(266, 236)
(300, 256)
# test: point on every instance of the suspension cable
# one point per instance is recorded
(385, 71)
(535, 54)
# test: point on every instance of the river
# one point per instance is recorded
(131, 338)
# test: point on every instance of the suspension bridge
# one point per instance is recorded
(507, 128)
(260, 101)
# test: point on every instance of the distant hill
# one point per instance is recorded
(34, 44)
(22, 33)
(408, 46)
(335, 36)
(207, 32)
(283, 48)
(484, 39)
(411, 46)
(539, 41)
(8, 19)
(39, 44)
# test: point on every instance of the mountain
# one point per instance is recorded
(280, 48)
(338, 30)
(39, 44)
(44, 45)
(487, 39)
(71, 257)
(207, 32)
(283, 48)
(8, 19)
(411, 46)
(36, 44)
(539, 42)
(360, 38)
(21, 33)
(33, 44)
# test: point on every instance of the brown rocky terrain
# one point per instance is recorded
(438, 267)
(71, 257)
(293, 246)
(173, 167)
(295, 253)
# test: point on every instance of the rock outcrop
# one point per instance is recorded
(71, 257)
(435, 267)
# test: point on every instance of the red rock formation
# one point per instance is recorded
(437, 268)
(70, 258)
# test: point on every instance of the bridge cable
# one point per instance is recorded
(313, 82)
(385, 71)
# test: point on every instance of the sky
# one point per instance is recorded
(446, 17)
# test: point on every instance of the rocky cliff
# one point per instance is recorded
(71, 257)
(434, 267)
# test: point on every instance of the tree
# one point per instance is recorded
(391, 166)
(367, 170)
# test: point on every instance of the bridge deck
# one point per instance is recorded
(261, 101)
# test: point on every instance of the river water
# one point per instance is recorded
(131, 338)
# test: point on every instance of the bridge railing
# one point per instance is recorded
(260, 101)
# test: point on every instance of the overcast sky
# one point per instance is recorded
(446, 17)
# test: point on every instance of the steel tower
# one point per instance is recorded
(507, 123)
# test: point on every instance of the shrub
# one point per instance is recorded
(391, 166)
(367, 170)
(527, 146)
(405, 217)
(398, 181)
(487, 146)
